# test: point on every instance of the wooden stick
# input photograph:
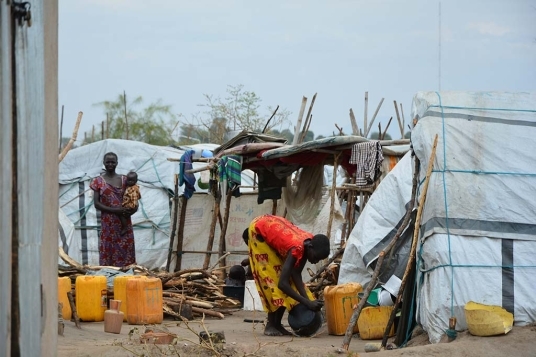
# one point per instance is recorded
(307, 120)
(107, 126)
(379, 262)
(268, 122)
(73, 137)
(222, 246)
(411, 259)
(333, 193)
(355, 128)
(61, 128)
(403, 120)
(126, 118)
(365, 126)
(400, 124)
(74, 314)
(274, 206)
(207, 312)
(93, 133)
(212, 232)
(298, 124)
(174, 225)
(374, 117)
(180, 234)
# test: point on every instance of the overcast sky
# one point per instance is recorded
(177, 50)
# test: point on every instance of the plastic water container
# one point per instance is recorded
(144, 301)
(373, 321)
(252, 299)
(64, 286)
(120, 291)
(339, 302)
(91, 297)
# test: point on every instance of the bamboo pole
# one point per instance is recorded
(126, 118)
(73, 137)
(107, 126)
(416, 230)
(403, 120)
(400, 124)
(374, 117)
(298, 124)
(355, 128)
(307, 120)
(222, 245)
(379, 262)
(212, 233)
(333, 193)
(174, 225)
(180, 233)
(365, 126)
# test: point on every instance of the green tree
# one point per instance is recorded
(239, 110)
(153, 124)
(374, 136)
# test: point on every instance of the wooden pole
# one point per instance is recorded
(307, 120)
(274, 206)
(210, 242)
(400, 124)
(174, 225)
(298, 124)
(333, 194)
(102, 130)
(374, 117)
(107, 126)
(222, 246)
(416, 230)
(379, 262)
(365, 115)
(126, 118)
(73, 137)
(355, 128)
(180, 234)
(74, 313)
(61, 127)
(403, 120)
(93, 133)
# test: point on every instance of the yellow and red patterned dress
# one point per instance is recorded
(270, 240)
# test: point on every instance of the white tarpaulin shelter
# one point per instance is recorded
(151, 222)
(478, 232)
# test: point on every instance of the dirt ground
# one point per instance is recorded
(246, 339)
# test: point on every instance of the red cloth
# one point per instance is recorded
(282, 235)
(114, 249)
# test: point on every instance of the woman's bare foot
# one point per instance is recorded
(271, 330)
(283, 330)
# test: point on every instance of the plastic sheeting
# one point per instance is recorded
(478, 233)
(478, 229)
(156, 180)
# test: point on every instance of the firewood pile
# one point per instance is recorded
(187, 293)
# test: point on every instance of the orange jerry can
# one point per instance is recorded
(339, 301)
(120, 291)
(144, 301)
(64, 286)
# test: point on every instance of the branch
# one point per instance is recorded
(72, 139)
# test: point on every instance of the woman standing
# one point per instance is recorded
(114, 249)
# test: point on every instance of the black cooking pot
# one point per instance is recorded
(303, 321)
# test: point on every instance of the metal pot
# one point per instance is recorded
(303, 321)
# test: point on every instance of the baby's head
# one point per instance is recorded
(132, 178)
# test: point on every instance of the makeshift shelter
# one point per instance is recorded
(477, 240)
(279, 161)
(156, 175)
